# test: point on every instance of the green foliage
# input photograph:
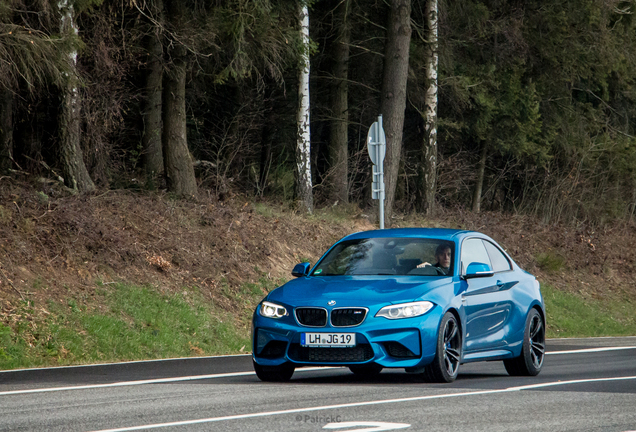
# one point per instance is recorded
(29, 57)
(550, 262)
(264, 209)
(42, 197)
(282, 182)
(339, 213)
(548, 87)
(5, 342)
(86, 5)
(258, 37)
(488, 82)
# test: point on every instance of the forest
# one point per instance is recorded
(503, 105)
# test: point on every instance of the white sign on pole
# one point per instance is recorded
(376, 145)
(376, 137)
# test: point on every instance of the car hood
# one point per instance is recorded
(356, 290)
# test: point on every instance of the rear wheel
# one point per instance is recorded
(448, 356)
(274, 373)
(530, 361)
(369, 370)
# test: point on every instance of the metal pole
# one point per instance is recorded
(381, 176)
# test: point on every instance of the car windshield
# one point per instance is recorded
(386, 256)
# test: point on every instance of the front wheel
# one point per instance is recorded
(280, 373)
(448, 356)
(530, 361)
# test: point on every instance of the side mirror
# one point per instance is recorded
(478, 270)
(301, 269)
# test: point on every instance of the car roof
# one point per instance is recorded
(437, 233)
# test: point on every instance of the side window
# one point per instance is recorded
(473, 250)
(498, 259)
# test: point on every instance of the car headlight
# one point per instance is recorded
(405, 310)
(272, 310)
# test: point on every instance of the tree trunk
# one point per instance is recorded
(479, 184)
(396, 62)
(6, 130)
(151, 140)
(303, 148)
(428, 159)
(71, 157)
(339, 139)
(178, 167)
(266, 144)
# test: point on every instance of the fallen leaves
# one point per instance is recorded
(159, 262)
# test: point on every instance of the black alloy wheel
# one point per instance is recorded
(280, 373)
(530, 362)
(448, 356)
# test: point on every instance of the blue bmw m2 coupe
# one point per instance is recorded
(426, 300)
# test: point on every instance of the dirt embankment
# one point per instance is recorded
(53, 247)
(593, 262)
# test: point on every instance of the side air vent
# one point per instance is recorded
(274, 349)
(396, 349)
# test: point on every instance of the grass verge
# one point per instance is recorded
(570, 315)
(133, 323)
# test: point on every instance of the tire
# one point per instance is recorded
(448, 355)
(280, 373)
(530, 362)
(369, 370)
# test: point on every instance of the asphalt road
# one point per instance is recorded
(585, 385)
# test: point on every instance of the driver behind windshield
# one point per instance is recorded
(443, 257)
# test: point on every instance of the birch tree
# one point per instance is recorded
(427, 170)
(70, 151)
(396, 62)
(303, 145)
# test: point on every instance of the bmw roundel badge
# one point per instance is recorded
(331, 302)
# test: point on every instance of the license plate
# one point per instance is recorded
(328, 340)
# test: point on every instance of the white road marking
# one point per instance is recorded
(143, 382)
(590, 350)
(123, 363)
(579, 381)
(235, 374)
(368, 426)
(591, 338)
(125, 383)
(359, 404)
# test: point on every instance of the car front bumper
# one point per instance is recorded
(402, 343)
